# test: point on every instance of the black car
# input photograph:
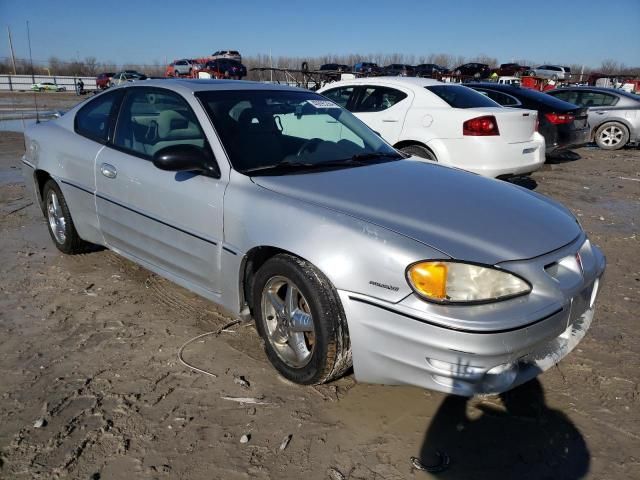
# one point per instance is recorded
(430, 70)
(562, 124)
(367, 68)
(225, 68)
(334, 70)
(335, 67)
(476, 70)
(400, 70)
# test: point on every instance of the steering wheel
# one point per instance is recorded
(313, 142)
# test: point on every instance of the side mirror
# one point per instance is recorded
(186, 157)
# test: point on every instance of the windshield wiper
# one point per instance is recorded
(375, 155)
(283, 165)
(357, 160)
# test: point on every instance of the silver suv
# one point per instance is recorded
(183, 67)
(553, 72)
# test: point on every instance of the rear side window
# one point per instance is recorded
(596, 99)
(570, 96)
(341, 96)
(377, 99)
(461, 97)
(501, 98)
(92, 120)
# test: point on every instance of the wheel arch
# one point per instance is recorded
(407, 143)
(251, 263)
(41, 176)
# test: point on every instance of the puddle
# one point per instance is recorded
(19, 124)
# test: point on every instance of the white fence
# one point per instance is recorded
(24, 82)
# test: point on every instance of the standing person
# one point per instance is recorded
(80, 89)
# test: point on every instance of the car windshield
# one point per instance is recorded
(275, 132)
(461, 97)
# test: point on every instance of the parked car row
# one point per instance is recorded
(474, 70)
(219, 67)
(279, 204)
(572, 116)
(446, 123)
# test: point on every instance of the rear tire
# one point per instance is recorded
(59, 222)
(323, 350)
(612, 136)
(419, 151)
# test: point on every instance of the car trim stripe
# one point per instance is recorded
(229, 250)
(446, 327)
(84, 189)
(102, 197)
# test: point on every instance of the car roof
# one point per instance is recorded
(613, 91)
(414, 82)
(523, 92)
(200, 85)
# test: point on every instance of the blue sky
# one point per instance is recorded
(143, 31)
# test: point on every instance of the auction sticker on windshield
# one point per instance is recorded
(323, 104)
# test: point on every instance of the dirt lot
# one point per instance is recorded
(91, 386)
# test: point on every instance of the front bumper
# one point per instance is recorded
(394, 344)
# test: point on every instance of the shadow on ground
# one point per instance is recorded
(521, 439)
(563, 156)
(524, 181)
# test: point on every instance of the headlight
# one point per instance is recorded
(456, 282)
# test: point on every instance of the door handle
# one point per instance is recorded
(108, 171)
(390, 120)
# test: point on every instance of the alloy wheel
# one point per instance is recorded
(611, 136)
(288, 321)
(55, 215)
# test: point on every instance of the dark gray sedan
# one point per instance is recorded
(614, 115)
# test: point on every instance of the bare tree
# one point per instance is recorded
(90, 66)
(609, 66)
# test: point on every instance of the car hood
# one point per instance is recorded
(465, 216)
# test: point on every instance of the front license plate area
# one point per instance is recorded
(580, 304)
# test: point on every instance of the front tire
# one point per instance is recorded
(612, 136)
(419, 151)
(299, 316)
(59, 222)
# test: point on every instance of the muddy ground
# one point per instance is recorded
(91, 386)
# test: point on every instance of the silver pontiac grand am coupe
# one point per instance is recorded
(276, 203)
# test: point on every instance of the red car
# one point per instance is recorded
(103, 79)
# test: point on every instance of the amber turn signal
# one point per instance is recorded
(429, 279)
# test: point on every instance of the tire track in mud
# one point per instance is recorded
(187, 306)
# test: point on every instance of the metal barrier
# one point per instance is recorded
(24, 82)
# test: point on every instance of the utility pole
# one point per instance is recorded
(33, 78)
(13, 56)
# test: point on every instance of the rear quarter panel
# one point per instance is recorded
(68, 158)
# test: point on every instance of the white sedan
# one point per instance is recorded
(448, 123)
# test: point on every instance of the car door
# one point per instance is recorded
(171, 221)
(383, 109)
(92, 125)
